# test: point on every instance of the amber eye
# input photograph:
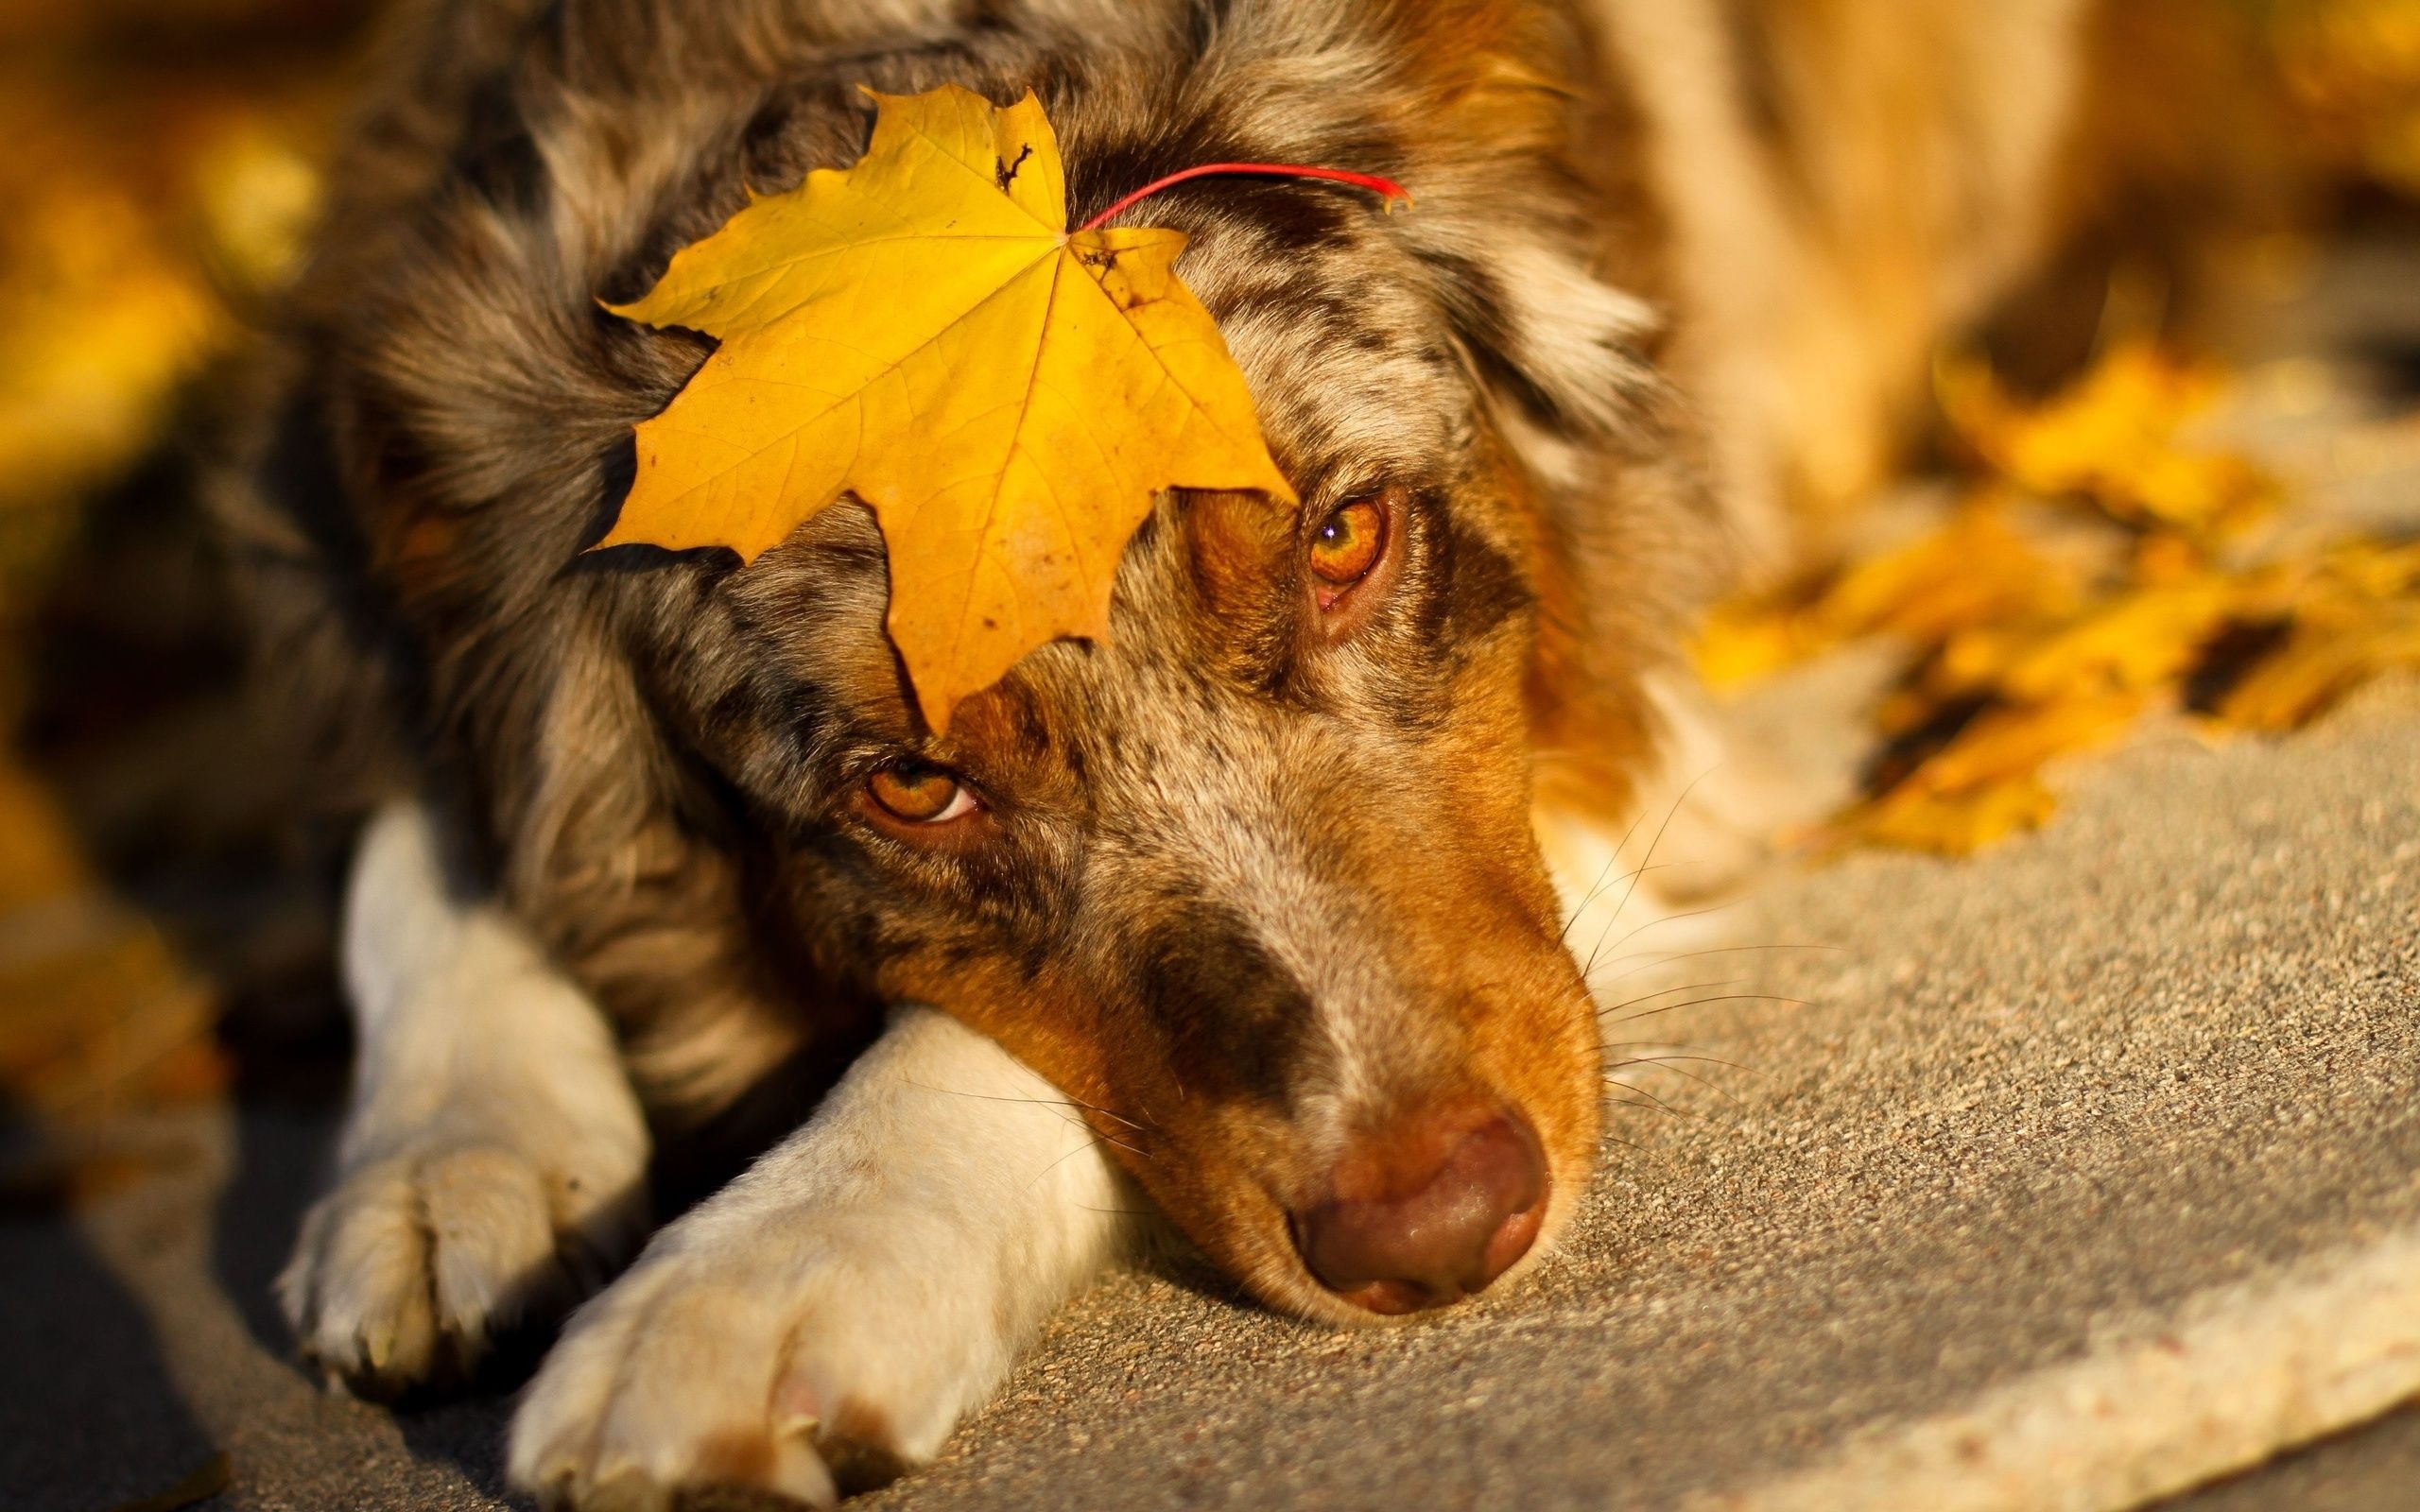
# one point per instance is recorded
(914, 793)
(1348, 543)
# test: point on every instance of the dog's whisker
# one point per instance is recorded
(1647, 1103)
(1707, 1082)
(1660, 1046)
(1681, 987)
(1652, 923)
(1643, 1108)
(1728, 997)
(1712, 1060)
(1661, 1063)
(1595, 891)
(1684, 986)
(1630, 877)
(1061, 1101)
(1105, 1113)
(1096, 1143)
(1632, 891)
(1666, 958)
(1067, 1106)
(1610, 1079)
(1657, 1156)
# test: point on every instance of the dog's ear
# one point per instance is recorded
(1571, 348)
(1505, 115)
(1537, 328)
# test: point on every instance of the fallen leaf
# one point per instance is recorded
(922, 330)
(2011, 744)
(1740, 641)
(2325, 657)
(2037, 634)
(99, 323)
(1977, 570)
(1954, 824)
(2352, 69)
(2113, 437)
(98, 1010)
(2130, 645)
(2376, 569)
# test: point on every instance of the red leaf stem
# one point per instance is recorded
(1386, 188)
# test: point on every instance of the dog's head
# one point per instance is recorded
(1253, 878)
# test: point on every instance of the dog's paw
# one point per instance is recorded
(764, 1359)
(407, 1272)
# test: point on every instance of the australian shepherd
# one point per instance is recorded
(1237, 919)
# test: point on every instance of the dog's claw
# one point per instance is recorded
(407, 1272)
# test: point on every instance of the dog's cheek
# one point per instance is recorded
(1047, 1021)
(1200, 1158)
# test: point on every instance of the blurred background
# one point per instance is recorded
(159, 164)
(2210, 527)
(159, 176)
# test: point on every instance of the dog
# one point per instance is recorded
(1241, 918)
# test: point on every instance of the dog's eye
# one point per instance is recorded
(915, 793)
(1348, 543)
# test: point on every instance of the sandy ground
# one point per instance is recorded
(2132, 1094)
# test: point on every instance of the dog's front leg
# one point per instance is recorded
(836, 1309)
(494, 1156)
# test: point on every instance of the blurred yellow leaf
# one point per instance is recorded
(1743, 641)
(1976, 571)
(1983, 786)
(1954, 824)
(2025, 651)
(2111, 437)
(256, 193)
(1974, 574)
(97, 324)
(97, 1009)
(2324, 659)
(2353, 67)
(2131, 644)
(126, 226)
(2011, 744)
(2376, 569)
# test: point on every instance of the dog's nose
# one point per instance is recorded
(1428, 1214)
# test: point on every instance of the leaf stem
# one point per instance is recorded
(1386, 188)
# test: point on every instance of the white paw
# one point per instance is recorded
(787, 1357)
(407, 1272)
(824, 1321)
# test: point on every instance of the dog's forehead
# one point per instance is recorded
(1350, 362)
(1356, 381)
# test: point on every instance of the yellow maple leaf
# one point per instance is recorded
(922, 331)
